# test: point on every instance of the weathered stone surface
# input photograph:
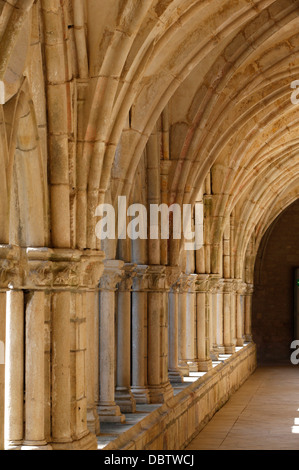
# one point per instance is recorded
(165, 102)
(174, 425)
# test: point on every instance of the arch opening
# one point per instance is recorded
(273, 303)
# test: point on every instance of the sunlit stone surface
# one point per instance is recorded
(186, 102)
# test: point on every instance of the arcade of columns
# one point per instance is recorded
(161, 101)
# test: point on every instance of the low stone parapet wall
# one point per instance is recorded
(173, 425)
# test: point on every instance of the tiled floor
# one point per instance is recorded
(262, 414)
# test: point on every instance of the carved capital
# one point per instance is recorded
(112, 275)
(241, 287)
(187, 282)
(10, 266)
(172, 277)
(128, 275)
(92, 268)
(156, 276)
(215, 284)
(202, 283)
(39, 274)
(249, 289)
(46, 268)
(235, 285)
(228, 286)
(140, 278)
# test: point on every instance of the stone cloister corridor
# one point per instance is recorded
(149, 216)
(262, 415)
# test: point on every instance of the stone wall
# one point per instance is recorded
(177, 422)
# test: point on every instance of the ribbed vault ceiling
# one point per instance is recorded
(221, 70)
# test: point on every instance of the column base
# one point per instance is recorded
(175, 376)
(140, 395)
(160, 393)
(184, 368)
(240, 342)
(93, 422)
(193, 366)
(125, 400)
(248, 338)
(88, 442)
(205, 366)
(230, 349)
(13, 445)
(214, 355)
(35, 445)
(110, 414)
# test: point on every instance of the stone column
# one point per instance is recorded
(25, 355)
(91, 360)
(92, 270)
(96, 366)
(215, 316)
(61, 367)
(123, 395)
(56, 280)
(139, 335)
(240, 313)
(14, 370)
(248, 312)
(234, 312)
(210, 305)
(191, 324)
(108, 410)
(2, 363)
(219, 319)
(174, 373)
(73, 279)
(34, 372)
(203, 332)
(159, 386)
(227, 317)
(183, 288)
(182, 330)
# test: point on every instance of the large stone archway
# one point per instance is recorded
(273, 298)
(163, 102)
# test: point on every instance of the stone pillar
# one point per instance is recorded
(203, 331)
(234, 312)
(227, 317)
(240, 313)
(139, 335)
(159, 386)
(191, 324)
(108, 410)
(123, 395)
(95, 352)
(91, 360)
(210, 305)
(183, 288)
(56, 280)
(2, 364)
(174, 373)
(165, 339)
(61, 367)
(74, 284)
(215, 316)
(14, 370)
(35, 372)
(248, 312)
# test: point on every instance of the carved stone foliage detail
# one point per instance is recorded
(34, 268)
